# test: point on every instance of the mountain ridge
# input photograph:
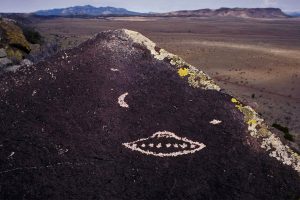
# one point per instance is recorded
(221, 12)
(85, 10)
(232, 12)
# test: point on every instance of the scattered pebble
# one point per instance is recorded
(114, 69)
(121, 100)
(11, 154)
(34, 93)
(215, 122)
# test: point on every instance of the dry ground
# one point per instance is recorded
(255, 60)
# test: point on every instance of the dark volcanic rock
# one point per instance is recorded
(118, 118)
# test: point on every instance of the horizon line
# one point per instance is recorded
(286, 11)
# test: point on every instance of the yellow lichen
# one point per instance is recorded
(248, 114)
(234, 100)
(238, 107)
(198, 79)
(183, 72)
(264, 132)
(252, 122)
(271, 143)
(14, 54)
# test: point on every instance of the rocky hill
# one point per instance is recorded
(85, 10)
(232, 12)
(120, 118)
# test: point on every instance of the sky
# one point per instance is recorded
(147, 5)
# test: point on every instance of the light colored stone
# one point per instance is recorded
(26, 62)
(4, 62)
(13, 68)
(2, 53)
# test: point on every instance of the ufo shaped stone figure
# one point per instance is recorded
(165, 144)
(119, 118)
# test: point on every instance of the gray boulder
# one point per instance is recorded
(13, 68)
(2, 53)
(26, 62)
(4, 62)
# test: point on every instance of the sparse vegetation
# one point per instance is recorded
(14, 54)
(289, 137)
(285, 130)
(32, 36)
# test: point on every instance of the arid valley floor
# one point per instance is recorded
(257, 61)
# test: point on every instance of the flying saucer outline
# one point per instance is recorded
(181, 146)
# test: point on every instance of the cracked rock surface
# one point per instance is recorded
(62, 131)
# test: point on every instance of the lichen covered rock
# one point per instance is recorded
(13, 36)
(13, 40)
(4, 62)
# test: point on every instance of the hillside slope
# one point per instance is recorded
(119, 118)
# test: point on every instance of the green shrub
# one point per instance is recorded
(32, 36)
(289, 137)
(285, 130)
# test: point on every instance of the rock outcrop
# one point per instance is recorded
(120, 118)
(13, 45)
(5, 62)
(13, 36)
(3, 53)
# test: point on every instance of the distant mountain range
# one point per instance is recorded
(222, 12)
(85, 10)
(232, 12)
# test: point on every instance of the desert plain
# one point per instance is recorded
(255, 60)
